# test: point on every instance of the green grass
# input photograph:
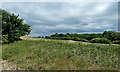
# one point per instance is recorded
(59, 55)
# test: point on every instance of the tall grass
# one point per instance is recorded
(58, 55)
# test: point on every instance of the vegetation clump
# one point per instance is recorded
(105, 37)
(100, 40)
(116, 42)
(79, 39)
(13, 27)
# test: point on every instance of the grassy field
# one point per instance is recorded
(61, 55)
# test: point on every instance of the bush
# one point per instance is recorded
(116, 42)
(55, 38)
(63, 38)
(4, 39)
(75, 38)
(100, 40)
(84, 40)
(68, 38)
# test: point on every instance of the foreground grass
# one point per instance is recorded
(59, 55)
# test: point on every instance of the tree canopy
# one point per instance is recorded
(13, 27)
(105, 37)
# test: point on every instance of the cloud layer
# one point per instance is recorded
(47, 18)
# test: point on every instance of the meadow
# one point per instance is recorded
(57, 51)
(61, 55)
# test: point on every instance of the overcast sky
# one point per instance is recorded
(47, 18)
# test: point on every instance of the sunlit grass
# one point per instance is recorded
(61, 55)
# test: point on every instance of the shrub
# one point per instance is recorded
(55, 38)
(75, 38)
(63, 38)
(100, 40)
(68, 38)
(4, 39)
(116, 42)
(84, 40)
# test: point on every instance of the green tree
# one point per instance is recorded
(61, 35)
(13, 26)
(111, 35)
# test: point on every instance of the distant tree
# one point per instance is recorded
(61, 35)
(56, 34)
(111, 35)
(100, 40)
(67, 35)
(13, 26)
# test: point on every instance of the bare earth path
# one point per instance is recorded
(67, 41)
(7, 66)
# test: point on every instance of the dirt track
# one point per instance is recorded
(68, 41)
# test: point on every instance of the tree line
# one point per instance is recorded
(105, 37)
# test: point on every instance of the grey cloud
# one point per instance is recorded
(47, 18)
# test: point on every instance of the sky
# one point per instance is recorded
(47, 18)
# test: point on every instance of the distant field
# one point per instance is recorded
(61, 55)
